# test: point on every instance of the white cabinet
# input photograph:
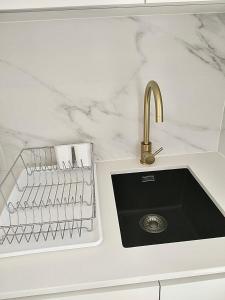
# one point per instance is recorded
(141, 5)
(182, 1)
(87, 8)
(50, 4)
(210, 287)
(142, 291)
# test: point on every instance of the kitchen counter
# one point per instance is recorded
(110, 263)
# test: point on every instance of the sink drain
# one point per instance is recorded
(153, 223)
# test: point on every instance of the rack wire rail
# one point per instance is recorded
(45, 208)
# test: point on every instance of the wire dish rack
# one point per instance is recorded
(45, 208)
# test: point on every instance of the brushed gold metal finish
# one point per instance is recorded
(147, 157)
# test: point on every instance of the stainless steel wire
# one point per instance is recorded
(39, 201)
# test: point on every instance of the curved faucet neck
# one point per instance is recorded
(152, 86)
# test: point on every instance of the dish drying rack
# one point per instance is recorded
(45, 208)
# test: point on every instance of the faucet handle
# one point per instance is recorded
(158, 151)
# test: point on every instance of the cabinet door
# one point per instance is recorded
(181, 1)
(47, 4)
(142, 291)
(211, 287)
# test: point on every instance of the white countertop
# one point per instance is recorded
(109, 263)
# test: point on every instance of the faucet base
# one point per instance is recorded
(146, 154)
(148, 160)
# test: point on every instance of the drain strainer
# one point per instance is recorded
(153, 223)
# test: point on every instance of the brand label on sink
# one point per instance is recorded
(147, 178)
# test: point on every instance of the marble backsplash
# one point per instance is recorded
(78, 80)
(222, 137)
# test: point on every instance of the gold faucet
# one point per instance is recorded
(147, 157)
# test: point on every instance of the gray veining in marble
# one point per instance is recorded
(66, 81)
(222, 137)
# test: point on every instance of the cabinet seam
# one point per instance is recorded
(159, 290)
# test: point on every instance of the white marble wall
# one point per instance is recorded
(72, 80)
(222, 137)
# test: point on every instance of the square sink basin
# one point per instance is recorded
(164, 206)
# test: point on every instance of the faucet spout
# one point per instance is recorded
(146, 153)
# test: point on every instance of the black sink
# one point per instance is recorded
(164, 207)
